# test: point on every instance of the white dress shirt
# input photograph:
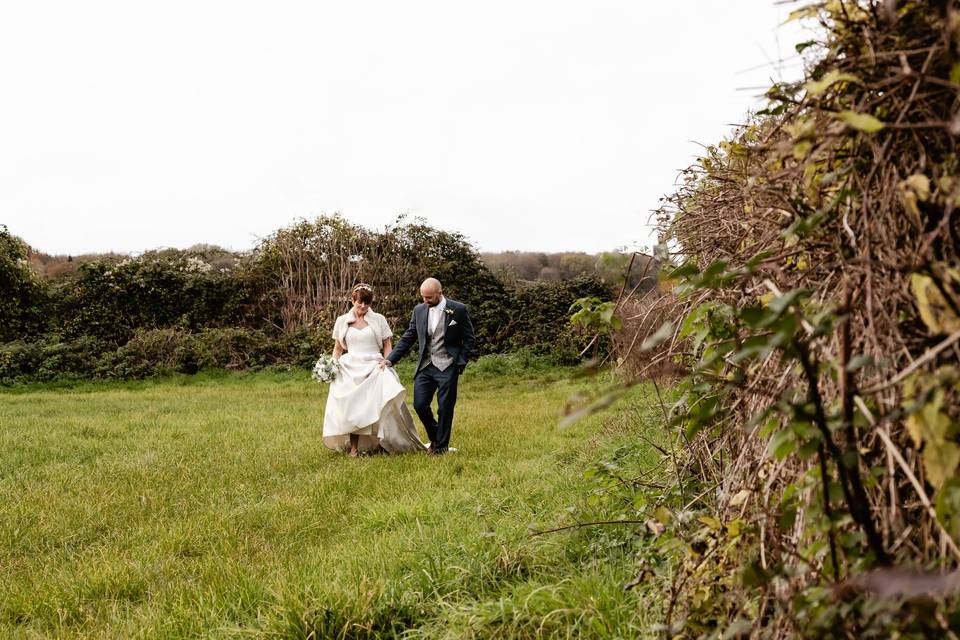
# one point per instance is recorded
(434, 314)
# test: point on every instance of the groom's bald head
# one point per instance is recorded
(431, 284)
(431, 291)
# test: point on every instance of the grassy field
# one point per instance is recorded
(208, 507)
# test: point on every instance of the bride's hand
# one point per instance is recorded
(384, 364)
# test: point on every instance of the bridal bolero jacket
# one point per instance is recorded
(376, 321)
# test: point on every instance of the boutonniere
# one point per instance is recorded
(449, 312)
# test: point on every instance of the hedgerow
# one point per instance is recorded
(812, 487)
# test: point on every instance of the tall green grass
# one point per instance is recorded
(208, 507)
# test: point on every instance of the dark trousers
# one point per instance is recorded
(428, 381)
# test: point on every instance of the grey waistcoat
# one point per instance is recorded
(436, 354)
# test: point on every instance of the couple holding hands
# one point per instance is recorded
(365, 409)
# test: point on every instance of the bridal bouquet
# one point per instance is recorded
(326, 369)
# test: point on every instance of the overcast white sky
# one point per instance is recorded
(535, 125)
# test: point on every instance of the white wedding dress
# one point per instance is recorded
(368, 401)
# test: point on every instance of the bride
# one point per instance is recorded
(365, 406)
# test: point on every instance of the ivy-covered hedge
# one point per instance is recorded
(153, 352)
(23, 294)
(538, 318)
(177, 311)
(114, 301)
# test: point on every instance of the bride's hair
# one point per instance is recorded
(362, 293)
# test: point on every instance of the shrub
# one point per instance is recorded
(538, 318)
(520, 363)
(308, 270)
(452, 260)
(71, 359)
(182, 311)
(19, 360)
(113, 301)
(818, 307)
(23, 294)
(633, 343)
(152, 352)
(164, 351)
(235, 348)
(51, 358)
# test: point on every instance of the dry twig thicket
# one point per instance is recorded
(312, 266)
(818, 309)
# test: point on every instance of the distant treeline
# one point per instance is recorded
(536, 266)
(172, 310)
(529, 266)
(58, 267)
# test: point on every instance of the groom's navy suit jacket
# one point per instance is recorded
(458, 338)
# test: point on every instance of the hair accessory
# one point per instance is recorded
(363, 286)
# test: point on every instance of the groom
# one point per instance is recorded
(445, 334)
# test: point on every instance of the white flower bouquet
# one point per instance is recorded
(326, 369)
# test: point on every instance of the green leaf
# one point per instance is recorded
(948, 506)
(858, 362)
(691, 323)
(753, 316)
(934, 309)
(781, 303)
(606, 312)
(715, 270)
(757, 259)
(663, 515)
(816, 87)
(752, 347)
(861, 121)
(782, 444)
(955, 74)
(809, 11)
(933, 428)
(663, 333)
(739, 498)
(735, 527)
(808, 448)
(835, 491)
(683, 272)
(801, 46)
(788, 517)
(770, 425)
(753, 575)
(773, 110)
